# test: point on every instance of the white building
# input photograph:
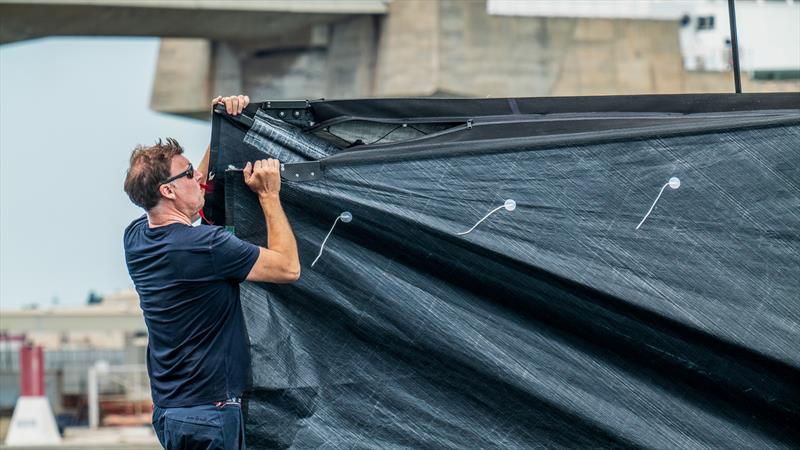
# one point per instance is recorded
(768, 30)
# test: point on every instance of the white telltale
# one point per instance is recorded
(673, 183)
(508, 205)
(345, 217)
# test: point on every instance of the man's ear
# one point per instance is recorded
(167, 191)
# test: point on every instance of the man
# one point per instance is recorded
(188, 280)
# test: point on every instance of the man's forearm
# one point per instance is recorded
(203, 166)
(279, 233)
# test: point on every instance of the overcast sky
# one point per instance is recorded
(71, 110)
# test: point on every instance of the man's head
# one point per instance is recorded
(153, 180)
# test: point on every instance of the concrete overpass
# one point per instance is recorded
(308, 49)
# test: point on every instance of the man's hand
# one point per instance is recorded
(263, 177)
(233, 104)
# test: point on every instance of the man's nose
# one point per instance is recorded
(198, 175)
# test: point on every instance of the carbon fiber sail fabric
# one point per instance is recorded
(557, 324)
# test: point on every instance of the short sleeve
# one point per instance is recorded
(232, 257)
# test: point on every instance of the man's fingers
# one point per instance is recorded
(248, 171)
(234, 104)
(265, 165)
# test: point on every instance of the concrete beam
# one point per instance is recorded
(295, 6)
(183, 73)
(235, 20)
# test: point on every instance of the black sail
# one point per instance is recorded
(555, 324)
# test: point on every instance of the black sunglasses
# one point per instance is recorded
(188, 173)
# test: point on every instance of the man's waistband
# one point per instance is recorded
(233, 400)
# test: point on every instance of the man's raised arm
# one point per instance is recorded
(234, 106)
(279, 263)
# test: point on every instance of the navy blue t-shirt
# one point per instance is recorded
(188, 280)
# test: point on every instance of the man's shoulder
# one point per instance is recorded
(134, 227)
(141, 220)
(138, 235)
(206, 230)
(200, 236)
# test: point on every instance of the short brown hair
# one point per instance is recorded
(150, 166)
